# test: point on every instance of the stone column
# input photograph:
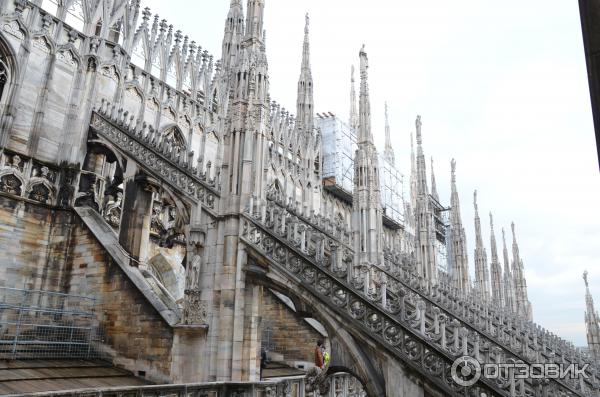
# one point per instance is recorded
(189, 343)
(134, 231)
(194, 309)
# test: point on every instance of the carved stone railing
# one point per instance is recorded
(523, 339)
(402, 315)
(398, 327)
(149, 149)
(335, 229)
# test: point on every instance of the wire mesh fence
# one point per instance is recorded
(42, 324)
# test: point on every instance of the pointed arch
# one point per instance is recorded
(115, 32)
(173, 72)
(11, 181)
(8, 73)
(157, 65)
(186, 85)
(173, 135)
(39, 189)
(133, 99)
(139, 55)
(211, 150)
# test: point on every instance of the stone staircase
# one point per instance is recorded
(426, 326)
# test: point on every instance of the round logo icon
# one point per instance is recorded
(466, 371)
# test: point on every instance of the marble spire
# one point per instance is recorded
(388, 154)
(495, 270)
(304, 102)
(591, 322)
(509, 291)
(255, 12)
(366, 205)
(520, 284)
(458, 242)
(365, 135)
(425, 224)
(434, 191)
(481, 269)
(234, 34)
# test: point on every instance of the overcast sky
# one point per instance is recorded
(501, 87)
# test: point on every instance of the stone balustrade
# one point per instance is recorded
(499, 325)
(426, 325)
(148, 148)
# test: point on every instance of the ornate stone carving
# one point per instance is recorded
(65, 193)
(417, 321)
(194, 309)
(40, 193)
(67, 58)
(13, 29)
(10, 184)
(110, 72)
(180, 178)
(42, 44)
(112, 212)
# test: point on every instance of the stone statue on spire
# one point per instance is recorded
(585, 279)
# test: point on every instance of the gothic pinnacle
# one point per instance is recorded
(495, 270)
(592, 325)
(434, 192)
(418, 125)
(481, 269)
(460, 263)
(306, 46)
(585, 279)
(453, 172)
(389, 150)
(364, 108)
(255, 20)
(304, 102)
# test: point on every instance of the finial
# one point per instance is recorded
(163, 25)
(306, 24)
(453, 169)
(418, 125)
(475, 200)
(146, 14)
(585, 278)
(178, 37)
(364, 61)
(352, 73)
(491, 221)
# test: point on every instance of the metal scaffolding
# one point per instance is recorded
(42, 324)
(339, 148)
